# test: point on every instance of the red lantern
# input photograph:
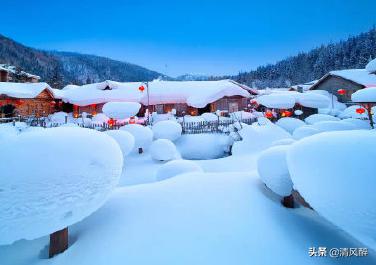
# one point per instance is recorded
(269, 114)
(341, 91)
(111, 122)
(132, 120)
(53, 103)
(360, 110)
(141, 88)
(287, 113)
(254, 102)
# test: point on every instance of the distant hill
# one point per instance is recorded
(355, 52)
(61, 68)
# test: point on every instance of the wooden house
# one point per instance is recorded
(344, 83)
(26, 99)
(182, 97)
(9, 73)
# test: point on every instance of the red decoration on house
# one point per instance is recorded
(360, 110)
(132, 120)
(341, 91)
(269, 114)
(53, 103)
(287, 113)
(141, 88)
(111, 122)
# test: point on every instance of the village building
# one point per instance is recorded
(344, 83)
(183, 97)
(26, 99)
(9, 73)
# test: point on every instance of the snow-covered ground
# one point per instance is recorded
(223, 215)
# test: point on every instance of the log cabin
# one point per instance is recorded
(184, 97)
(9, 73)
(344, 83)
(26, 99)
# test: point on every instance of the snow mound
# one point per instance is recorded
(304, 131)
(290, 124)
(58, 117)
(143, 135)
(203, 146)
(64, 180)
(273, 171)
(163, 150)
(124, 139)
(335, 173)
(312, 119)
(313, 100)
(371, 66)
(350, 112)
(298, 112)
(359, 124)
(177, 167)
(170, 130)
(277, 100)
(207, 116)
(121, 110)
(286, 141)
(100, 118)
(257, 138)
(364, 95)
(326, 126)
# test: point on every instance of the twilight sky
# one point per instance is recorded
(193, 36)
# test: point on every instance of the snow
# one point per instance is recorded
(298, 112)
(124, 139)
(358, 124)
(58, 117)
(326, 126)
(335, 173)
(209, 116)
(304, 131)
(23, 90)
(62, 180)
(290, 124)
(203, 146)
(350, 112)
(169, 129)
(163, 150)
(121, 110)
(257, 138)
(177, 167)
(371, 66)
(313, 100)
(364, 95)
(285, 141)
(314, 118)
(360, 76)
(143, 135)
(100, 118)
(277, 100)
(194, 93)
(273, 171)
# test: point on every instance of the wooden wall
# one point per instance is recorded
(333, 83)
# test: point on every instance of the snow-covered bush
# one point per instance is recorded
(208, 116)
(177, 167)
(290, 124)
(203, 146)
(326, 126)
(257, 138)
(58, 117)
(273, 171)
(100, 118)
(371, 66)
(286, 141)
(312, 119)
(304, 131)
(143, 136)
(335, 173)
(170, 130)
(359, 124)
(124, 139)
(66, 174)
(350, 112)
(364, 95)
(121, 110)
(163, 150)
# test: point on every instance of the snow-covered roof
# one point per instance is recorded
(359, 76)
(23, 90)
(371, 66)
(194, 93)
(365, 95)
(12, 69)
(305, 86)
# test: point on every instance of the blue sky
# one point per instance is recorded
(177, 37)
